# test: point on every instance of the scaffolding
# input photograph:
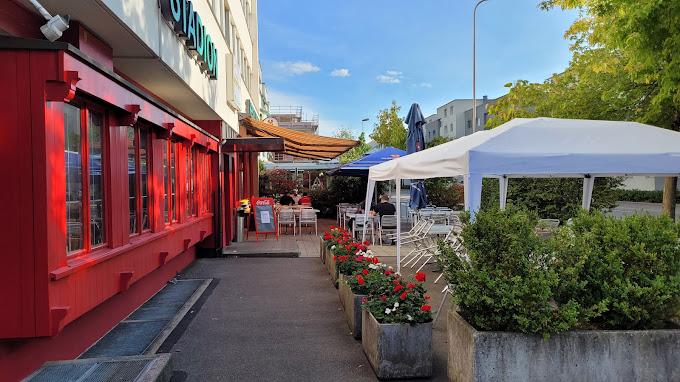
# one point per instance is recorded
(291, 117)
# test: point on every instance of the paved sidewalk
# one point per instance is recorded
(275, 319)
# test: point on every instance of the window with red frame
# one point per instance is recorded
(85, 168)
(138, 185)
(170, 180)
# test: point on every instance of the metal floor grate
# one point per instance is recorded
(97, 370)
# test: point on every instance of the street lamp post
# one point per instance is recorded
(474, 94)
(362, 124)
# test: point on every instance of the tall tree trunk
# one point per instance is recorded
(670, 187)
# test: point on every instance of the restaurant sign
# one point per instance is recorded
(188, 26)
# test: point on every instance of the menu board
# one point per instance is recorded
(265, 218)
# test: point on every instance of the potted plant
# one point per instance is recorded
(397, 328)
(354, 288)
(590, 303)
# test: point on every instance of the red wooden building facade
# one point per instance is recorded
(106, 189)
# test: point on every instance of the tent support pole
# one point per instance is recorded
(588, 182)
(398, 203)
(367, 207)
(503, 183)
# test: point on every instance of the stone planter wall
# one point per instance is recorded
(322, 250)
(352, 304)
(332, 268)
(612, 355)
(397, 350)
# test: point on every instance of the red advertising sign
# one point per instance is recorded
(265, 217)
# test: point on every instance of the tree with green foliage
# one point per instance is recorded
(390, 130)
(625, 66)
(355, 152)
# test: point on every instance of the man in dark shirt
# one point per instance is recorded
(384, 208)
(287, 200)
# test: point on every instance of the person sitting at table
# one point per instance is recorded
(286, 199)
(296, 197)
(305, 199)
(384, 207)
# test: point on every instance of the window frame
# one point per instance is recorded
(139, 203)
(86, 108)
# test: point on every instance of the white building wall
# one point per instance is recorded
(144, 19)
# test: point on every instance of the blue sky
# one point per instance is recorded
(347, 60)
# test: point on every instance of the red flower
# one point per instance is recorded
(388, 272)
(363, 300)
(427, 297)
(411, 286)
(395, 281)
(365, 271)
(403, 296)
(360, 276)
(420, 276)
(398, 288)
(332, 227)
(425, 308)
(366, 242)
(335, 258)
(360, 281)
(384, 297)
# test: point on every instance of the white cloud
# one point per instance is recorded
(425, 85)
(295, 68)
(394, 73)
(387, 79)
(340, 73)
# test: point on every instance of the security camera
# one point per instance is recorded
(55, 27)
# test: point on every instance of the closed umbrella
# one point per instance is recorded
(415, 141)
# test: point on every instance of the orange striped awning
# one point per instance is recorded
(299, 144)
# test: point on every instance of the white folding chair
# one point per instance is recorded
(286, 218)
(388, 223)
(348, 210)
(308, 217)
(358, 227)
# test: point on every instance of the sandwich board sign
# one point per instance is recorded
(265, 217)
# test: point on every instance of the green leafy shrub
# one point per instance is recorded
(599, 272)
(641, 196)
(552, 198)
(508, 282)
(626, 269)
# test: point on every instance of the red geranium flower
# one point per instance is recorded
(403, 296)
(411, 286)
(388, 272)
(360, 281)
(360, 276)
(427, 297)
(366, 242)
(363, 300)
(365, 271)
(335, 258)
(384, 297)
(425, 308)
(395, 281)
(420, 276)
(398, 288)
(332, 227)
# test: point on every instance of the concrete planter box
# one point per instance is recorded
(352, 304)
(596, 355)
(332, 268)
(397, 350)
(322, 250)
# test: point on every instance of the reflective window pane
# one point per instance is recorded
(97, 219)
(132, 178)
(173, 185)
(165, 179)
(73, 149)
(144, 167)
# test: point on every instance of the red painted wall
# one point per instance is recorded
(45, 288)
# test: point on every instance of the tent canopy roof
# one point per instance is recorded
(360, 166)
(299, 144)
(543, 147)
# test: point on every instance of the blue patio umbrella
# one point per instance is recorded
(415, 141)
(360, 166)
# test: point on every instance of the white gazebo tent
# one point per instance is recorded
(542, 148)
